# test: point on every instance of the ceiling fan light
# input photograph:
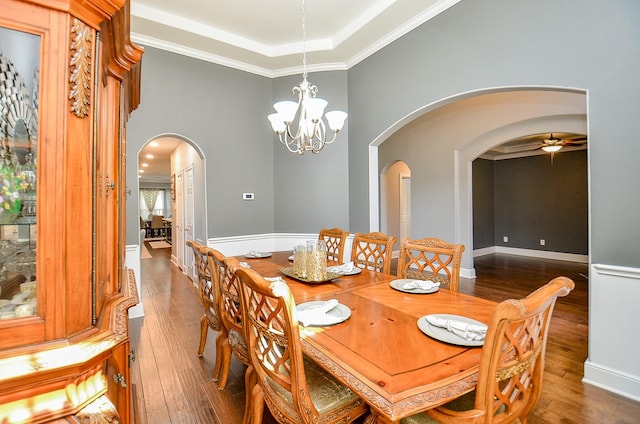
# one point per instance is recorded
(552, 149)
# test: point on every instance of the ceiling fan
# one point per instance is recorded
(553, 144)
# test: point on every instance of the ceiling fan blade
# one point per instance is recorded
(577, 141)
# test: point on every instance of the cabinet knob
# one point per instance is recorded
(119, 378)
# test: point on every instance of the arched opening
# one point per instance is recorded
(444, 138)
(181, 173)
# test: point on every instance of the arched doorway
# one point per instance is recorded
(183, 175)
(457, 130)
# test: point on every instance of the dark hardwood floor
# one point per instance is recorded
(172, 385)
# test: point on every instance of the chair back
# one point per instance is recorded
(373, 251)
(207, 284)
(157, 222)
(512, 360)
(431, 258)
(273, 341)
(230, 302)
(334, 238)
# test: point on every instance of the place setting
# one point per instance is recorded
(413, 286)
(255, 254)
(454, 329)
(319, 313)
(345, 269)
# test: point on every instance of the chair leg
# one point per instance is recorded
(257, 403)
(250, 380)
(223, 360)
(204, 329)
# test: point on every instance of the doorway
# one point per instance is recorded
(177, 164)
(448, 135)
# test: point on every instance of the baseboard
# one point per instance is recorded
(545, 254)
(612, 380)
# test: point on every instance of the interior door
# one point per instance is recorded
(188, 222)
(178, 219)
(405, 206)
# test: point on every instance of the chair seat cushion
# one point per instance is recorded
(239, 346)
(327, 393)
(463, 403)
(214, 322)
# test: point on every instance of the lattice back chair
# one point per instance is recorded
(208, 290)
(511, 363)
(295, 389)
(431, 259)
(335, 238)
(231, 338)
(373, 251)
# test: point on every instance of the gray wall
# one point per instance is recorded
(483, 204)
(224, 112)
(221, 110)
(474, 45)
(532, 198)
(312, 191)
(471, 46)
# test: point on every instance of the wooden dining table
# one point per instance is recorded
(379, 352)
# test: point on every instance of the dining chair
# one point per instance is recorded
(295, 389)
(209, 295)
(430, 259)
(511, 362)
(230, 339)
(157, 225)
(334, 238)
(373, 251)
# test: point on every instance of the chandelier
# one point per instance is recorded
(311, 132)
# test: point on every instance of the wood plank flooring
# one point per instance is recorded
(172, 385)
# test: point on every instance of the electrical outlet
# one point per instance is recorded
(542, 242)
(247, 196)
(505, 239)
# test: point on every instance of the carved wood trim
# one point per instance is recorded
(80, 68)
(395, 410)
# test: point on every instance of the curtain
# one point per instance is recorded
(149, 195)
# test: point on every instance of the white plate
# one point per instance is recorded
(257, 255)
(340, 313)
(445, 335)
(355, 271)
(398, 285)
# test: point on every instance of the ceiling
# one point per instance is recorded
(266, 38)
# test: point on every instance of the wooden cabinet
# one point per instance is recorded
(69, 76)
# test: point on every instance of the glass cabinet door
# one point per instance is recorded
(19, 88)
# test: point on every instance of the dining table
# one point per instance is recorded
(380, 352)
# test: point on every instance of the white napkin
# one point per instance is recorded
(255, 253)
(471, 332)
(420, 284)
(317, 315)
(245, 265)
(344, 268)
(274, 279)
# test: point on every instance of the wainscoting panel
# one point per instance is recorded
(614, 344)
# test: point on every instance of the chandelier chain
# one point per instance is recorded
(304, 42)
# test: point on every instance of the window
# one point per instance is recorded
(160, 199)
